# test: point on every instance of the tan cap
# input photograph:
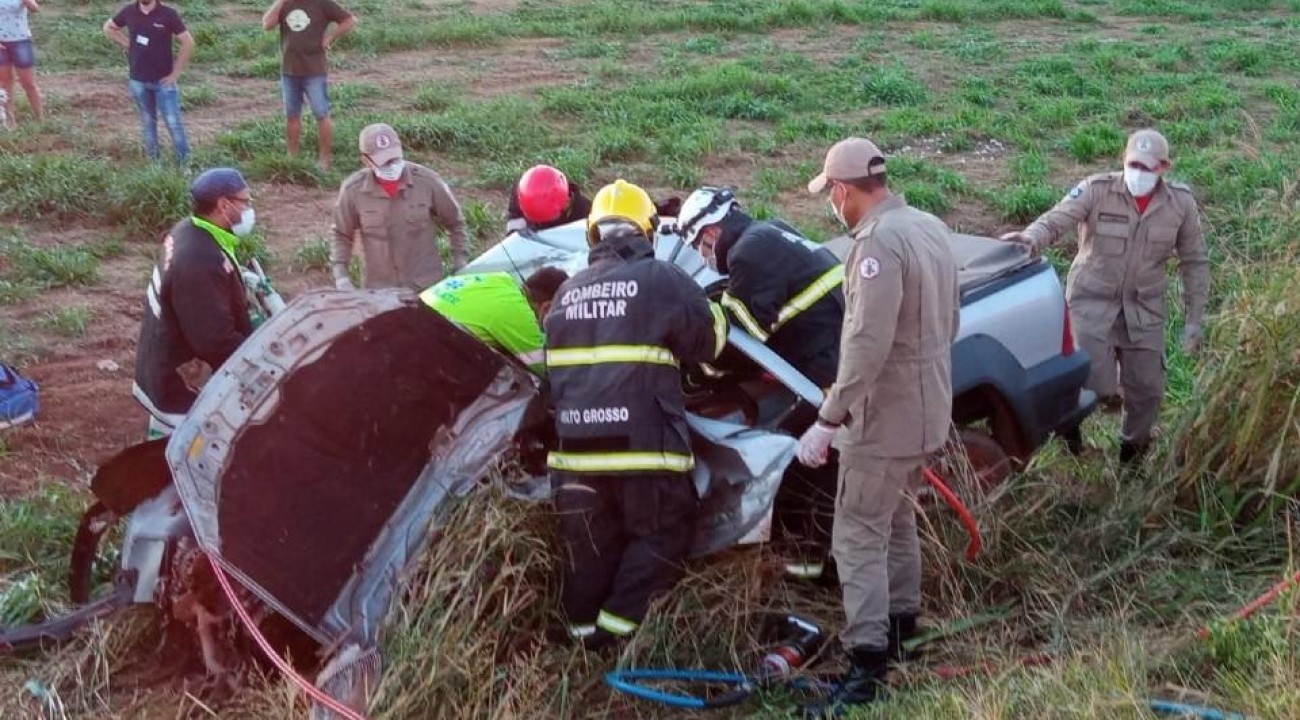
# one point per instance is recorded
(380, 143)
(849, 160)
(1147, 147)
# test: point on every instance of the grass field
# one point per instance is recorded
(989, 111)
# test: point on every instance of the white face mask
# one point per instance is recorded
(245, 225)
(839, 214)
(1140, 182)
(390, 172)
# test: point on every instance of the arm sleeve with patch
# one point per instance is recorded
(1066, 216)
(874, 294)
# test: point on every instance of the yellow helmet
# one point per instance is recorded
(625, 202)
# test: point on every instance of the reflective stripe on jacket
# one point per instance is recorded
(616, 336)
(786, 295)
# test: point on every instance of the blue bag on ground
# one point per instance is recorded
(18, 398)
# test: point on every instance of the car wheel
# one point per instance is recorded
(989, 461)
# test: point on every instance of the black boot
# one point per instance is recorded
(901, 629)
(1131, 453)
(865, 683)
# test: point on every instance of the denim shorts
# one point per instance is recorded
(19, 53)
(315, 87)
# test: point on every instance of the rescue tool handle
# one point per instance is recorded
(775, 364)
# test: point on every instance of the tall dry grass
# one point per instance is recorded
(1236, 452)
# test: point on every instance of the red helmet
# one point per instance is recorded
(543, 194)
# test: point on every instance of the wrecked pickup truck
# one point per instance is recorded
(314, 462)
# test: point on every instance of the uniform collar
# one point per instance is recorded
(226, 240)
(868, 221)
(627, 247)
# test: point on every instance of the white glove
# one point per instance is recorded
(1191, 338)
(815, 444)
(344, 284)
(1021, 239)
(251, 279)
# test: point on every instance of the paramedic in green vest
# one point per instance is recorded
(497, 310)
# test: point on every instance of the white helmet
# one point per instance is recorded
(703, 208)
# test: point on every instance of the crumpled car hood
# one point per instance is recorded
(314, 460)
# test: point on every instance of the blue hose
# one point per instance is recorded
(625, 681)
(1164, 707)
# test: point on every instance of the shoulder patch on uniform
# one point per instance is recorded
(869, 267)
(1075, 192)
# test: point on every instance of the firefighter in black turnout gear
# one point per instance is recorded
(617, 335)
(789, 297)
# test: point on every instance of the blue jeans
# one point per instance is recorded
(151, 97)
(315, 87)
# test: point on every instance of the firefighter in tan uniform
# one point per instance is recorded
(398, 208)
(1129, 224)
(890, 406)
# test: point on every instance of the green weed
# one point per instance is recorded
(16, 349)
(1023, 203)
(280, 168)
(433, 97)
(68, 321)
(50, 266)
(484, 222)
(197, 95)
(892, 86)
(313, 254)
(1091, 142)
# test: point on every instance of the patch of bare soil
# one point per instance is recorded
(87, 412)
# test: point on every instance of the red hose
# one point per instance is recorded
(1254, 605)
(960, 508)
(285, 668)
(953, 672)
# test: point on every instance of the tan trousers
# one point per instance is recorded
(876, 549)
(1135, 368)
